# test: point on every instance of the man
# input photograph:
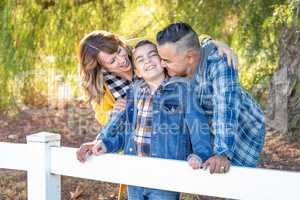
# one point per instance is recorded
(236, 120)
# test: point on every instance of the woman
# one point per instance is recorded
(106, 72)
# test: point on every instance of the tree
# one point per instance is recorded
(284, 95)
(44, 34)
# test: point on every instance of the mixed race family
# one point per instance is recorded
(178, 98)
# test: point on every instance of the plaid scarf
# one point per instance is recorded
(117, 85)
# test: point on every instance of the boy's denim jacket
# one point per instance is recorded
(180, 128)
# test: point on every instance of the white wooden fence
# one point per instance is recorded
(45, 161)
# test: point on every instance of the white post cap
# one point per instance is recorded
(43, 137)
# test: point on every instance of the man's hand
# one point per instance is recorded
(224, 49)
(217, 164)
(99, 148)
(84, 151)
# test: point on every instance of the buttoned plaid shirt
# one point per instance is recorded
(236, 120)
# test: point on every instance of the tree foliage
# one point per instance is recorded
(43, 34)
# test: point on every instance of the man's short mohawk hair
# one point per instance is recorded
(173, 33)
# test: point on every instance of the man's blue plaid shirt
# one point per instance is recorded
(236, 120)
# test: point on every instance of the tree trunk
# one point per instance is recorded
(284, 94)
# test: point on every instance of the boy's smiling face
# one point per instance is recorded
(147, 62)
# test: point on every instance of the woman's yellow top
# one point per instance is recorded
(103, 109)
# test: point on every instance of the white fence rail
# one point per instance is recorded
(44, 160)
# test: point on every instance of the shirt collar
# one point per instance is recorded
(146, 89)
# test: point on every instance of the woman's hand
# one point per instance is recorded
(99, 148)
(84, 151)
(224, 49)
(120, 105)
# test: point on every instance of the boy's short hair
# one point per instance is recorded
(139, 44)
(182, 34)
(144, 42)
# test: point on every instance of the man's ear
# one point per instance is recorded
(191, 56)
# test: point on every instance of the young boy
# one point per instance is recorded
(160, 120)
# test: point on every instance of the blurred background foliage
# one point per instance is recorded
(39, 38)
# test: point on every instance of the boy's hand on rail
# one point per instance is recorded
(84, 151)
(217, 164)
(194, 161)
(99, 148)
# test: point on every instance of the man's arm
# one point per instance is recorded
(226, 100)
(223, 49)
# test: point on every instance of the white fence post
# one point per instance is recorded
(42, 185)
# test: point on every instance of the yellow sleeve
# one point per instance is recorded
(103, 109)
